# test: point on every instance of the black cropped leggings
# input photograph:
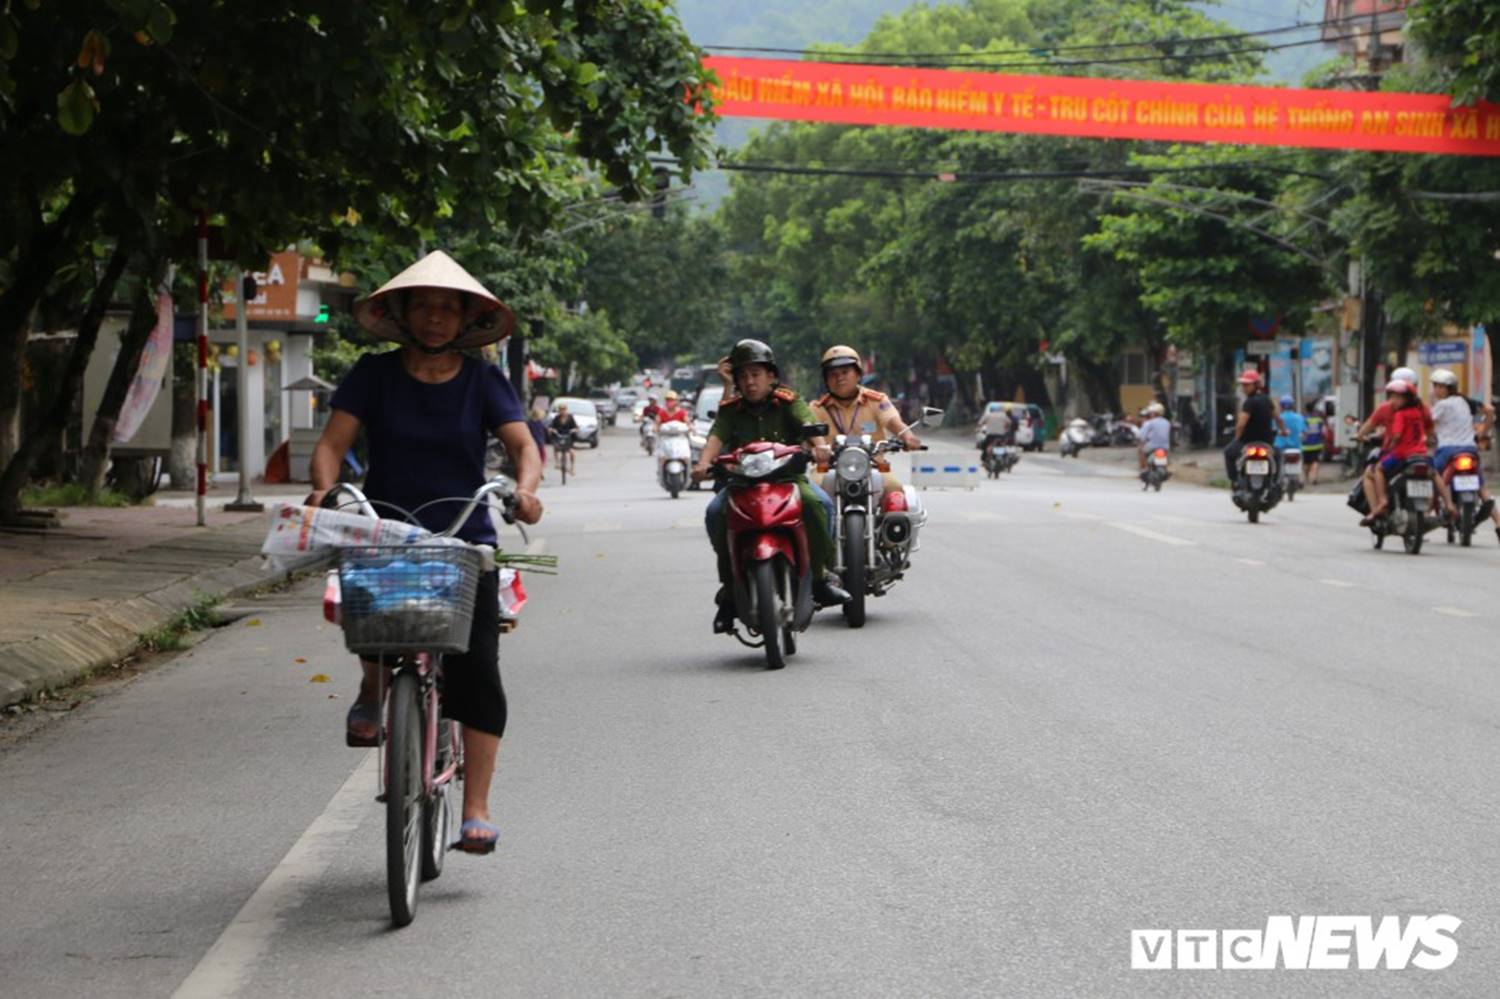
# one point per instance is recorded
(472, 693)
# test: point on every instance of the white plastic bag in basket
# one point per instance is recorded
(296, 530)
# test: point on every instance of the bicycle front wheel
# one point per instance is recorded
(403, 798)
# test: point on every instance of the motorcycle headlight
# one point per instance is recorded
(758, 464)
(853, 464)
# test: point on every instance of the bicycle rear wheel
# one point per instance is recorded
(403, 797)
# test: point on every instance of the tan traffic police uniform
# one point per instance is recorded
(869, 412)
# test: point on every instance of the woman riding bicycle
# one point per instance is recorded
(427, 411)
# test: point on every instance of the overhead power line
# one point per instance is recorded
(918, 62)
(947, 174)
(1038, 49)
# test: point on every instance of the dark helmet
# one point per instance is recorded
(753, 352)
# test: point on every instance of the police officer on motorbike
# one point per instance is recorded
(765, 410)
(852, 410)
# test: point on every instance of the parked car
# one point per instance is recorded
(584, 412)
(605, 404)
(626, 398)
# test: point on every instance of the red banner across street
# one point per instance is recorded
(858, 94)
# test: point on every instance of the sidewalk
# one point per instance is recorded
(78, 598)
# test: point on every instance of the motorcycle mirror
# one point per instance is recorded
(812, 430)
(931, 417)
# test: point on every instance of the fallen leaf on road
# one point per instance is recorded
(318, 678)
(253, 622)
(299, 659)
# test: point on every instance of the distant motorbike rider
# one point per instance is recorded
(1156, 432)
(765, 410)
(996, 427)
(1405, 437)
(1453, 422)
(671, 410)
(1380, 421)
(652, 410)
(1295, 423)
(852, 410)
(1258, 422)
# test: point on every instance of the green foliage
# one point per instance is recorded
(587, 350)
(1207, 248)
(1462, 39)
(71, 494)
(979, 275)
(663, 282)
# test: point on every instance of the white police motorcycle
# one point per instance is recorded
(875, 531)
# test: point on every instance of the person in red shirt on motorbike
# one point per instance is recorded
(672, 410)
(1405, 437)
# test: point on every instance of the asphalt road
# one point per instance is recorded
(1088, 710)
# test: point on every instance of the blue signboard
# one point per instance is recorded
(1444, 352)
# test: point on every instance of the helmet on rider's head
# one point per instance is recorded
(1250, 378)
(748, 352)
(1442, 376)
(1406, 375)
(839, 356)
(1156, 409)
(1287, 402)
(1398, 386)
(671, 395)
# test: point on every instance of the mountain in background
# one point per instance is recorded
(795, 24)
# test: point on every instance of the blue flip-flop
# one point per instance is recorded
(481, 844)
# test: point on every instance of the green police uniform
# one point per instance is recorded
(780, 418)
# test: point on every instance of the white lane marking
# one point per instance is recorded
(536, 546)
(1249, 561)
(1455, 612)
(222, 970)
(1146, 532)
(1080, 516)
(1344, 584)
(603, 526)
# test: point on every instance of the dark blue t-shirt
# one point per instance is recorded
(428, 441)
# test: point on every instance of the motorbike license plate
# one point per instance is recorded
(1419, 490)
(1257, 468)
(1466, 483)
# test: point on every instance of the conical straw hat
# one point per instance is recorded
(486, 318)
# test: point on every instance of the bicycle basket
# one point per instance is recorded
(408, 598)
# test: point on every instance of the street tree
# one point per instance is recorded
(126, 119)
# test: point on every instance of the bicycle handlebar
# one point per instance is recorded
(500, 485)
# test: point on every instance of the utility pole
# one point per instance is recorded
(200, 500)
(245, 289)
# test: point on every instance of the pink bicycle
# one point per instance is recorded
(407, 606)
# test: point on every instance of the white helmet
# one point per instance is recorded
(1442, 376)
(1156, 409)
(1405, 375)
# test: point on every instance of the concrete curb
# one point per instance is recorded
(106, 630)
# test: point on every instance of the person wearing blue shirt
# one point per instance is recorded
(1295, 425)
(428, 412)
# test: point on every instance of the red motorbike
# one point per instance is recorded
(768, 547)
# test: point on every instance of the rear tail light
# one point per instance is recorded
(1257, 451)
(1464, 463)
(1160, 452)
(1420, 471)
